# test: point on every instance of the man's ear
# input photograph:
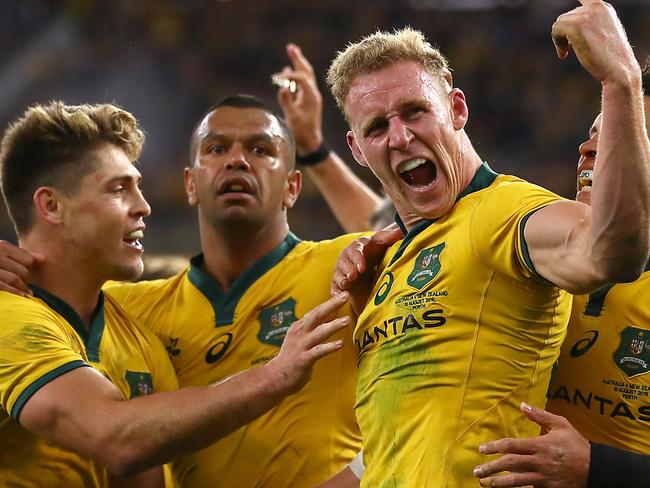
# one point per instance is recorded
(294, 185)
(459, 111)
(49, 204)
(356, 152)
(190, 187)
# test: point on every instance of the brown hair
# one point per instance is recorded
(52, 145)
(378, 51)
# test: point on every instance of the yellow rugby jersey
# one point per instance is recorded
(42, 338)
(457, 332)
(602, 380)
(211, 335)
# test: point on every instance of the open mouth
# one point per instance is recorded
(133, 239)
(237, 185)
(585, 179)
(418, 172)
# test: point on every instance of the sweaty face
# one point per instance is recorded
(103, 220)
(405, 125)
(239, 175)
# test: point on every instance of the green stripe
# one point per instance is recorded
(41, 382)
(483, 178)
(224, 304)
(524, 244)
(91, 336)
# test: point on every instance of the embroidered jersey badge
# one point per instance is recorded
(427, 267)
(633, 353)
(275, 321)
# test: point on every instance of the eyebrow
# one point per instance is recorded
(124, 179)
(403, 106)
(213, 136)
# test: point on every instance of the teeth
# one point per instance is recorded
(585, 177)
(411, 164)
(585, 188)
(135, 235)
(235, 188)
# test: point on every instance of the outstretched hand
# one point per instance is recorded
(557, 459)
(305, 344)
(357, 265)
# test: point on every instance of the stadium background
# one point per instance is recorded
(168, 60)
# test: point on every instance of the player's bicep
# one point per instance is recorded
(72, 410)
(558, 239)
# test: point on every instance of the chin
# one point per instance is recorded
(128, 272)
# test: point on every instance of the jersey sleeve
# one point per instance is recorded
(498, 222)
(34, 350)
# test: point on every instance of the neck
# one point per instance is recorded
(63, 277)
(228, 252)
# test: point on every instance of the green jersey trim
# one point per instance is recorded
(224, 304)
(40, 383)
(91, 337)
(482, 179)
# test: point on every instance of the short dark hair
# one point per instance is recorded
(245, 101)
(52, 145)
(645, 77)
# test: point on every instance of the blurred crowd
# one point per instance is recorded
(167, 61)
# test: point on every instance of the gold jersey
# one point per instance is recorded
(602, 380)
(42, 338)
(211, 335)
(457, 332)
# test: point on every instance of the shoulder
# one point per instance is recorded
(17, 309)
(149, 290)
(327, 246)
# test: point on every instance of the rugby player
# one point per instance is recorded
(468, 313)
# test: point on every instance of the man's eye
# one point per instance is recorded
(414, 111)
(376, 128)
(260, 150)
(217, 149)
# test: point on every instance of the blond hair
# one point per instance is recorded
(380, 50)
(52, 145)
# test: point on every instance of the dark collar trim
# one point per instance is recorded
(92, 336)
(224, 304)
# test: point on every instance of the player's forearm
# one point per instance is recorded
(151, 430)
(621, 189)
(352, 202)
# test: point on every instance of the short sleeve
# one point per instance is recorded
(35, 348)
(498, 222)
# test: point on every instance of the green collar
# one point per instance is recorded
(224, 304)
(91, 337)
(483, 178)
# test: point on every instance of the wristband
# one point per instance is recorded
(609, 467)
(315, 157)
(356, 465)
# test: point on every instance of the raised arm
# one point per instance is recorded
(580, 248)
(349, 198)
(84, 412)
